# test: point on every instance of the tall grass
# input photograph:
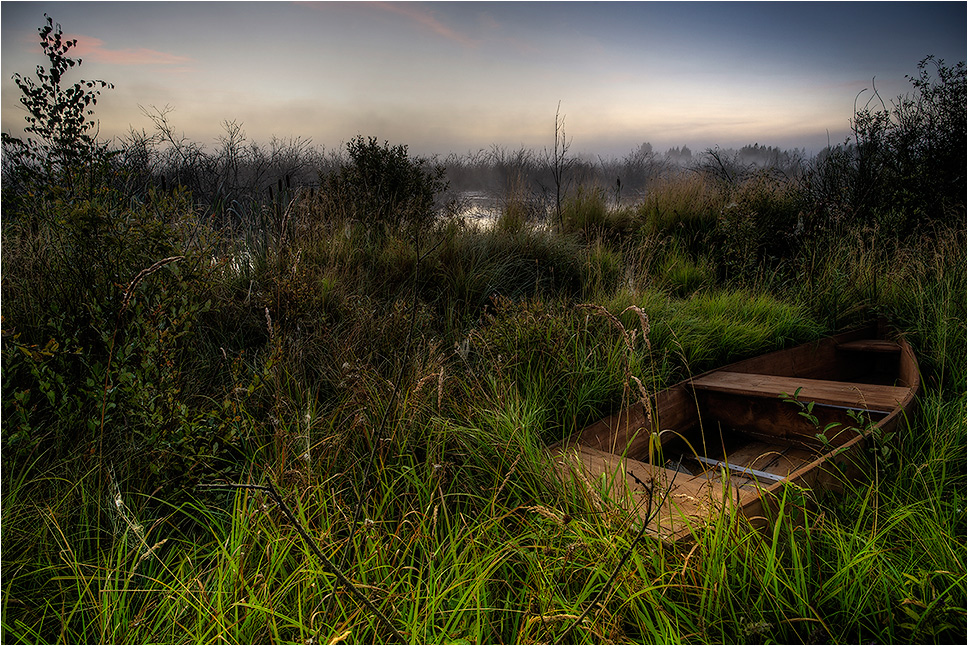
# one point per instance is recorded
(291, 365)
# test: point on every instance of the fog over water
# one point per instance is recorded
(452, 77)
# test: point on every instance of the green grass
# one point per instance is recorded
(447, 363)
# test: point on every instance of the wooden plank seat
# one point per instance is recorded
(881, 346)
(868, 397)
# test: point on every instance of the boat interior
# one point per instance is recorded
(726, 436)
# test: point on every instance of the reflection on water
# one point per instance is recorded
(483, 208)
(479, 207)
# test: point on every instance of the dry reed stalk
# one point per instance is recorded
(643, 322)
(644, 399)
(144, 273)
(514, 465)
(440, 389)
(151, 550)
(424, 380)
(548, 619)
(269, 324)
(617, 324)
(551, 514)
(629, 337)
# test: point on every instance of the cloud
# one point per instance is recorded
(93, 49)
(427, 19)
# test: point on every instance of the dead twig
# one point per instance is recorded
(649, 515)
(311, 544)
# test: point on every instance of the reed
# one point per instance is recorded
(464, 533)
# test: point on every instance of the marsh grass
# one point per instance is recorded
(686, 206)
(328, 421)
(518, 336)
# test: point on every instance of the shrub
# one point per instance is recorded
(585, 211)
(685, 207)
(905, 167)
(759, 224)
(384, 187)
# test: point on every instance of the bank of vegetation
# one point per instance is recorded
(303, 401)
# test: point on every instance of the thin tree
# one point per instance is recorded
(559, 160)
(59, 115)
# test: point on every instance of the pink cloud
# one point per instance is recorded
(427, 19)
(93, 49)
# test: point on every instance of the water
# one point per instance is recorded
(483, 208)
(479, 207)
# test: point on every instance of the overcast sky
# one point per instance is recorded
(453, 77)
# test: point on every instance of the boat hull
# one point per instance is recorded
(728, 441)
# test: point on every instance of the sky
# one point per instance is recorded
(457, 77)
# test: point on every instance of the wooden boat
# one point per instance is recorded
(728, 440)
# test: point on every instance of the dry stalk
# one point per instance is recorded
(551, 514)
(144, 273)
(644, 399)
(651, 512)
(514, 465)
(617, 324)
(628, 336)
(311, 544)
(423, 381)
(440, 389)
(643, 322)
(269, 324)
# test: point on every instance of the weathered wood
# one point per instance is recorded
(871, 345)
(772, 458)
(837, 393)
(681, 503)
(775, 421)
(735, 420)
(628, 431)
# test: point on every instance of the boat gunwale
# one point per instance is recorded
(752, 503)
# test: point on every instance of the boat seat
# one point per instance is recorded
(868, 397)
(880, 346)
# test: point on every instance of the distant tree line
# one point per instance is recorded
(906, 159)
